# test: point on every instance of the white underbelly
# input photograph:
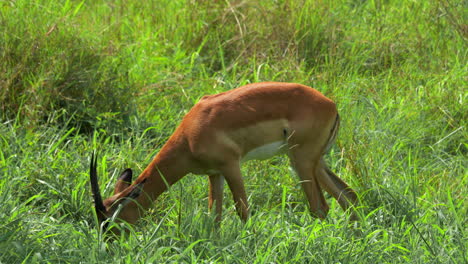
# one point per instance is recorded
(266, 151)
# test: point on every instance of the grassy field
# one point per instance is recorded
(118, 76)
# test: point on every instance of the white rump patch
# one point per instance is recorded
(266, 151)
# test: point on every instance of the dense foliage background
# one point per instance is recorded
(117, 77)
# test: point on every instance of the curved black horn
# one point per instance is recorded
(98, 204)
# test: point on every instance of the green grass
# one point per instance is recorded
(117, 77)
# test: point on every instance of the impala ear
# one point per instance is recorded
(124, 181)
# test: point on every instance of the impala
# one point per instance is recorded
(221, 131)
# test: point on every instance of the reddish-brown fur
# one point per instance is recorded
(221, 129)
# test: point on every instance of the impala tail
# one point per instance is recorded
(333, 134)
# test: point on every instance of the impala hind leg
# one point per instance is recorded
(306, 172)
(233, 176)
(215, 196)
(345, 196)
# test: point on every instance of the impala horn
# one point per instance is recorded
(98, 204)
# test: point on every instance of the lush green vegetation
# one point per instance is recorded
(117, 76)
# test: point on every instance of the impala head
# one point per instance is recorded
(118, 206)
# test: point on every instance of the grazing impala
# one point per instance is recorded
(221, 131)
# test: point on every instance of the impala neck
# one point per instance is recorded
(169, 166)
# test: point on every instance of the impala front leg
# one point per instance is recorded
(233, 176)
(216, 195)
